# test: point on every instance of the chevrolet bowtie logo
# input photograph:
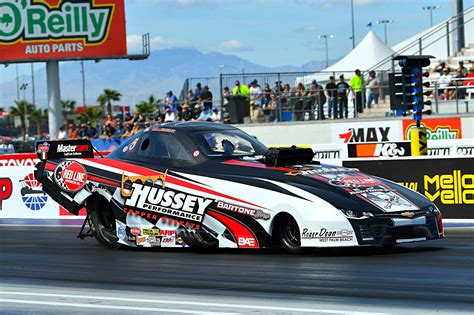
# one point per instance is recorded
(407, 214)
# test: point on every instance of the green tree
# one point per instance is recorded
(38, 117)
(21, 109)
(68, 107)
(148, 106)
(107, 97)
(91, 114)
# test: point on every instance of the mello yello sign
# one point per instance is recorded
(58, 29)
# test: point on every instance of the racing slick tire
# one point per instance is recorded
(102, 223)
(287, 234)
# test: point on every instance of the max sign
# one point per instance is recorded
(58, 29)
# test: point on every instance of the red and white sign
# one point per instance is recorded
(70, 176)
(38, 30)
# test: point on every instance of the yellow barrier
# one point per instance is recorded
(419, 143)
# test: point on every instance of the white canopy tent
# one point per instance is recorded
(370, 51)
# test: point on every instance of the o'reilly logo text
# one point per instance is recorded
(29, 21)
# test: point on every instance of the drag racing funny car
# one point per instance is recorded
(208, 185)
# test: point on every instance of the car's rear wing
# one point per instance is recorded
(52, 150)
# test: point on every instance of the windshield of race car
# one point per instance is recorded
(228, 143)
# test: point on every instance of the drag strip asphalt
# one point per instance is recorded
(46, 269)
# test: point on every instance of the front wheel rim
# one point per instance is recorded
(291, 233)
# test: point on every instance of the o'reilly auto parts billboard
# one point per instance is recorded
(33, 30)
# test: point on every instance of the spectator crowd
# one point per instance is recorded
(306, 102)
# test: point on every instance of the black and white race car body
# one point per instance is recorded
(207, 185)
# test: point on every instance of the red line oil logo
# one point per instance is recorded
(6, 189)
(70, 176)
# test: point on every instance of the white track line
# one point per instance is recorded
(157, 301)
(113, 307)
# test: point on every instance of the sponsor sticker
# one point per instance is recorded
(246, 242)
(135, 231)
(167, 202)
(121, 233)
(326, 235)
(255, 213)
(70, 176)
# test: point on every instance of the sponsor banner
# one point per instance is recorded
(35, 30)
(385, 149)
(64, 149)
(370, 131)
(329, 151)
(21, 195)
(437, 128)
(448, 182)
(456, 147)
(22, 159)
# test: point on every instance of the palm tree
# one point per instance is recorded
(38, 116)
(68, 107)
(21, 109)
(107, 97)
(148, 106)
(91, 114)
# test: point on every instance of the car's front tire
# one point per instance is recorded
(102, 223)
(287, 234)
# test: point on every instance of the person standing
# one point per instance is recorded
(357, 84)
(256, 98)
(373, 87)
(342, 91)
(240, 89)
(206, 98)
(331, 94)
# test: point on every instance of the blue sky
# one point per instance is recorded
(269, 32)
(276, 32)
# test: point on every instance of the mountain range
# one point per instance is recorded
(164, 70)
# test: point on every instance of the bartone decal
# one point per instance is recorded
(255, 213)
(325, 235)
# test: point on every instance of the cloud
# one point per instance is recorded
(134, 43)
(232, 45)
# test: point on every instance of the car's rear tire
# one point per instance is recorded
(102, 223)
(287, 234)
